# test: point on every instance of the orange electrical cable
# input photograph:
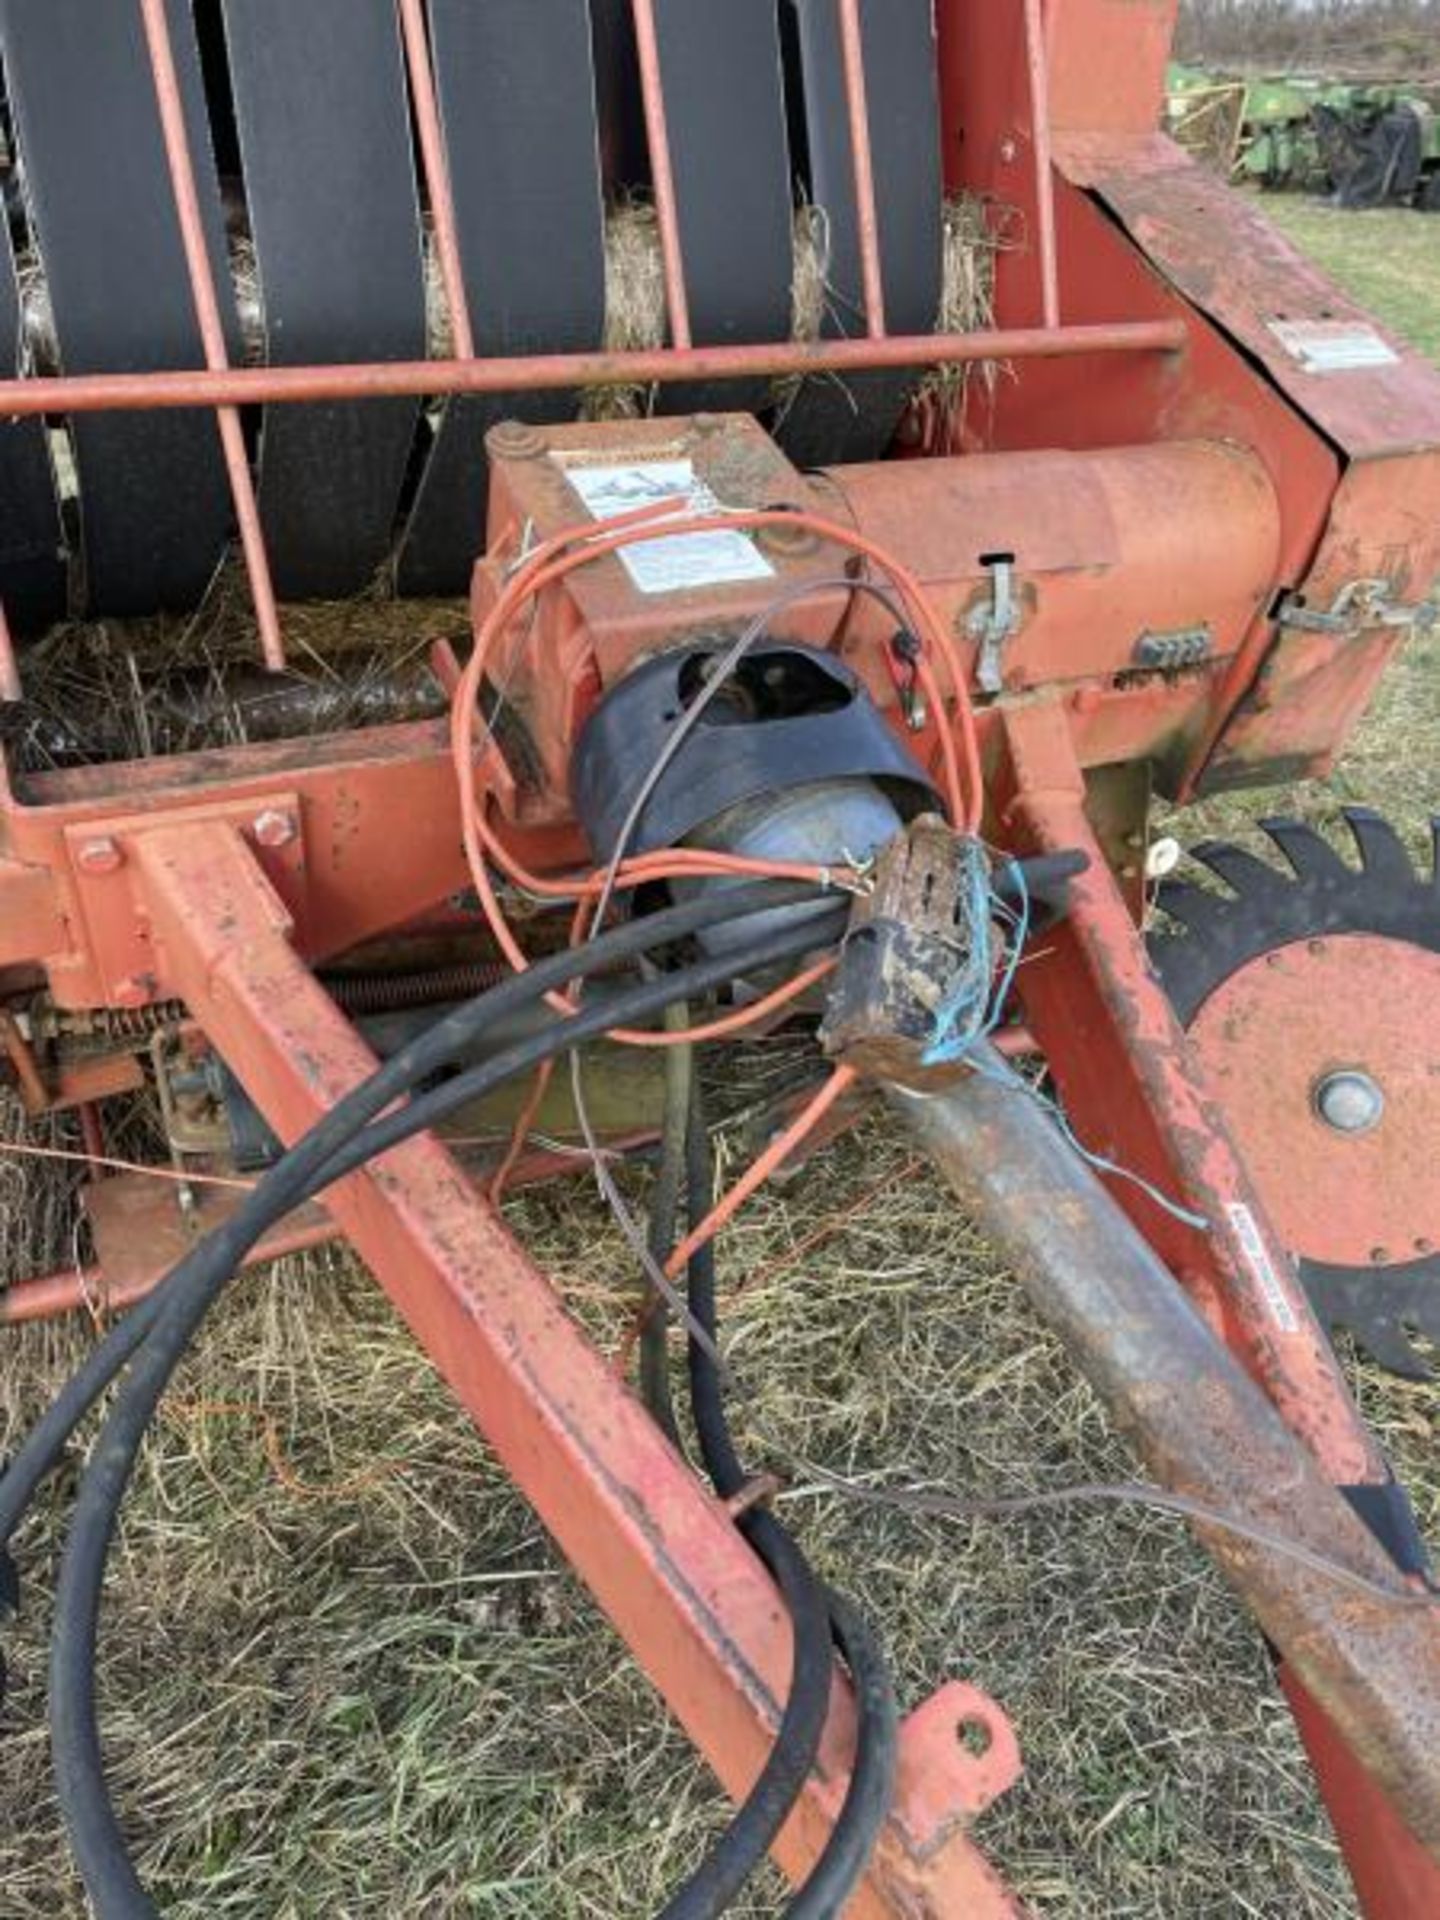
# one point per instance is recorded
(597, 539)
(581, 545)
(720, 1215)
(769, 1162)
(520, 1132)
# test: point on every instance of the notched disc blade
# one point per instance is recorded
(1312, 998)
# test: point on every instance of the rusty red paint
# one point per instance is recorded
(1199, 1422)
(1037, 60)
(1395, 1877)
(661, 1556)
(862, 158)
(662, 171)
(278, 386)
(1267, 1039)
(436, 167)
(1130, 1079)
(212, 332)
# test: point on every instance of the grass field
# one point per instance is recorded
(345, 1676)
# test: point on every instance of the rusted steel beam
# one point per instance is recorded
(867, 215)
(212, 332)
(1037, 60)
(273, 386)
(1202, 1426)
(660, 1554)
(436, 166)
(662, 172)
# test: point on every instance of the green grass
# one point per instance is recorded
(384, 1696)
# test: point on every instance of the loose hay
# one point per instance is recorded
(637, 318)
(132, 689)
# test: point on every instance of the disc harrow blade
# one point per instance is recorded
(1383, 858)
(1241, 871)
(1309, 854)
(1382, 1308)
(1317, 897)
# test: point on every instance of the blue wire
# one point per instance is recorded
(969, 1014)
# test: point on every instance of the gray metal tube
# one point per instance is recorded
(1200, 1424)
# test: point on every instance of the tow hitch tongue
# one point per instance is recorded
(1202, 1427)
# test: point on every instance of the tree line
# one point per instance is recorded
(1399, 37)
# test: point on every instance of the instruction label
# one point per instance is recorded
(679, 562)
(1257, 1258)
(1333, 346)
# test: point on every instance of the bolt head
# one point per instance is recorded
(101, 855)
(786, 542)
(514, 440)
(136, 991)
(273, 828)
(1350, 1101)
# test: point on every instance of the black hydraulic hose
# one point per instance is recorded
(722, 1875)
(868, 1798)
(290, 1178)
(871, 1792)
(96, 1839)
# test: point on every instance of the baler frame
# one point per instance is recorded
(161, 882)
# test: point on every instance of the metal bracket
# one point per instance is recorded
(1358, 607)
(1173, 651)
(995, 624)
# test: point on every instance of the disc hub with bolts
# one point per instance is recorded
(1310, 991)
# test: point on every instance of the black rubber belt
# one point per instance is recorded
(155, 508)
(730, 154)
(32, 558)
(831, 421)
(517, 98)
(324, 121)
(624, 149)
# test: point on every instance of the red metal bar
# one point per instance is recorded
(10, 687)
(1038, 62)
(437, 174)
(140, 1236)
(53, 1295)
(661, 1555)
(662, 173)
(92, 1133)
(16, 1049)
(1128, 1079)
(1395, 1877)
(867, 218)
(254, 386)
(212, 332)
